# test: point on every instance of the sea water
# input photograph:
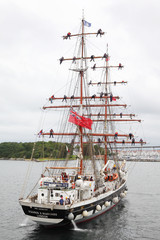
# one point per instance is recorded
(136, 217)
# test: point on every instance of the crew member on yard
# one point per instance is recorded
(130, 136)
(40, 133)
(99, 32)
(105, 56)
(61, 59)
(51, 133)
(120, 66)
(74, 60)
(111, 97)
(64, 98)
(92, 58)
(51, 98)
(90, 83)
(141, 141)
(93, 97)
(72, 97)
(116, 135)
(94, 67)
(69, 35)
(133, 141)
(101, 96)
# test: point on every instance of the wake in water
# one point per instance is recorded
(79, 229)
(24, 222)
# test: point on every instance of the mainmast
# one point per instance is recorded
(81, 99)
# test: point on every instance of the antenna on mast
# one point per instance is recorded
(83, 14)
(107, 47)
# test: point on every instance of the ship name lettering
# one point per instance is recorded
(30, 211)
(42, 216)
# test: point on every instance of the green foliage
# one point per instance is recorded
(15, 150)
(24, 150)
(50, 150)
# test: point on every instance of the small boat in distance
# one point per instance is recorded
(92, 182)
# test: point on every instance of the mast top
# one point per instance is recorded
(82, 14)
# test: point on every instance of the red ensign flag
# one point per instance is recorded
(80, 120)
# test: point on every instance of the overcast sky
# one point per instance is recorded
(31, 44)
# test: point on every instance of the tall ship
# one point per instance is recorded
(86, 179)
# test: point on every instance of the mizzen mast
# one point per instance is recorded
(105, 122)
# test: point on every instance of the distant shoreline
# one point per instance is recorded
(49, 160)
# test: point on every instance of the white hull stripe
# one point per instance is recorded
(46, 221)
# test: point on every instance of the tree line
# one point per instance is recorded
(52, 150)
